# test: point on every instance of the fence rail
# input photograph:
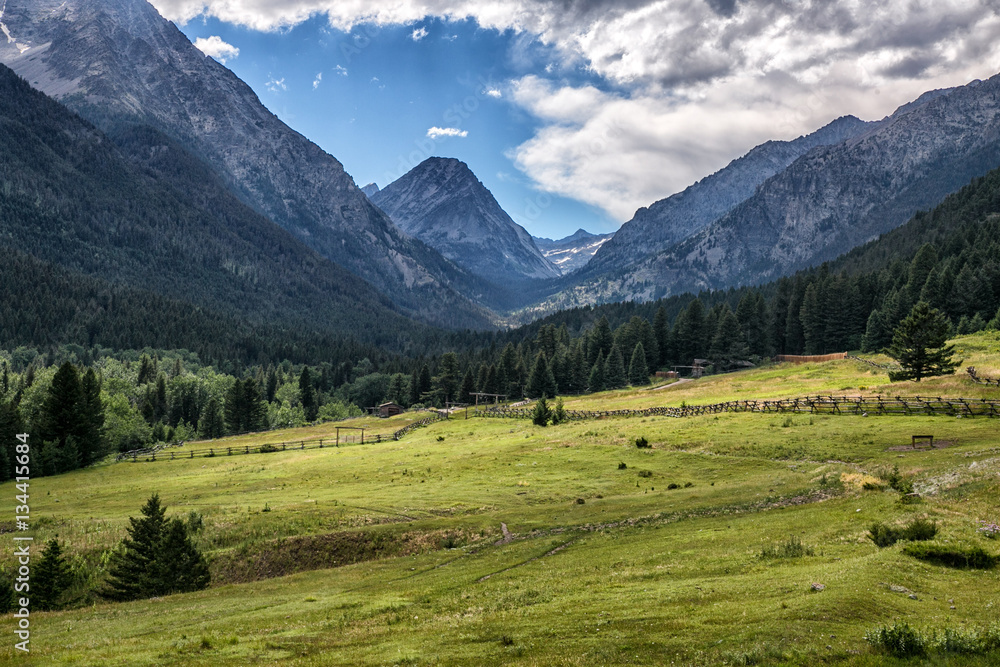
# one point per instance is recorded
(990, 382)
(853, 405)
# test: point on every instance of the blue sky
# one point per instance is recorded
(575, 114)
(371, 95)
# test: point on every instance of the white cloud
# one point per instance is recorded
(214, 46)
(317, 80)
(275, 85)
(438, 132)
(699, 81)
(418, 34)
(342, 71)
(494, 93)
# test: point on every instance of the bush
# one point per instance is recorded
(882, 535)
(672, 486)
(541, 414)
(268, 449)
(622, 466)
(919, 530)
(645, 473)
(792, 548)
(559, 413)
(642, 443)
(900, 641)
(952, 555)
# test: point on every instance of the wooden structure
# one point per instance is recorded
(697, 368)
(670, 375)
(929, 439)
(497, 398)
(810, 358)
(350, 428)
(389, 409)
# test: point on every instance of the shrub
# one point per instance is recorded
(919, 530)
(559, 413)
(900, 641)
(688, 485)
(882, 535)
(541, 414)
(645, 473)
(952, 555)
(642, 443)
(792, 548)
(268, 449)
(989, 530)
(673, 486)
(622, 466)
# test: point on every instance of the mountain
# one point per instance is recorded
(119, 61)
(572, 252)
(671, 220)
(837, 197)
(442, 203)
(370, 189)
(142, 215)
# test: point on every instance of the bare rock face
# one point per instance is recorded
(671, 220)
(837, 197)
(442, 203)
(572, 253)
(119, 61)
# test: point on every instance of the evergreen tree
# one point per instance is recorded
(133, 571)
(614, 369)
(578, 366)
(690, 332)
(307, 395)
(179, 567)
(212, 425)
(255, 415)
(638, 372)
(448, 380)
(661, 331)
(918, 344)
(424, 384)
(414, 388)
(728, 344)
(601, 339)
(468, 386)
(813, 317)
(147, 371)
(160, 398)
(559, 413)
(541, 414)
(89, 436)
(876, 333)
(50, 579)
(272, 385)
(595, 381)
(235, 408)
(541, 382)
(62, 414)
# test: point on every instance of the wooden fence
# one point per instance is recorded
(875, 364)
(810, 358)
(847, 405)
(991, 382)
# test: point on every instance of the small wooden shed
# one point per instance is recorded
(389, 409)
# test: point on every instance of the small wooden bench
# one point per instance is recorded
(929, 439)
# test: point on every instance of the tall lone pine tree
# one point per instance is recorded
(918, 344)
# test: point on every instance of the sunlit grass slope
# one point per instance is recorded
(397, 553)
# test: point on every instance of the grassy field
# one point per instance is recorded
(488, 541)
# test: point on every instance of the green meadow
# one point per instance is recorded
(486, 541)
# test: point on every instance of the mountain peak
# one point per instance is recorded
(442, 203)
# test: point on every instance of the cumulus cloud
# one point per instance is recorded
(276, 85)
(438, 132)
(494, 93)
(214, 46)
(317, 80)
(340, 71)
(696, 82)
(418, 34)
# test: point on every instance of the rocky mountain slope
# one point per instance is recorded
(119, 61)
(671, 220)
(572, 252)
(142, 214)
(442, 203)
(837, 197)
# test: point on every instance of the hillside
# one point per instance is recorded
(159, 223)
(494, 541)
(119, 62)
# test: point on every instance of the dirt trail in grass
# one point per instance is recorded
(559, 548)
(672, 385)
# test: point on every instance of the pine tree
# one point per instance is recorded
(147, 372)
(728, 345)
(307, 395)
(468, 386)
(918, 344)
(62, 415)
(661, 331)
(180, 567)
(255, 411)
(541, 414)
(601, 339)
(424, 383)
(595, 381)
(89, 436)
(272, 385)
(235, 408)
(541, 382)
(133, 570)
(212, 424)
(614, 369)
(50, 579)
(559, 413)
(447, 381)
(638, 372)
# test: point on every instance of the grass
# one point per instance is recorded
(394, 553)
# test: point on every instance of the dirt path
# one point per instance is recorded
(671, 385)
